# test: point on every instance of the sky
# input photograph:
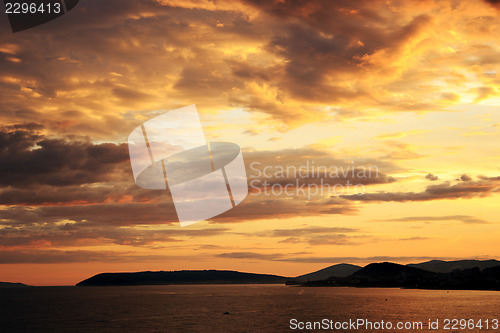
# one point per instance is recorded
(405, 89)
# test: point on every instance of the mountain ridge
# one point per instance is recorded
(340, 270)
(442, 266)
(391, 275)
(443, 274)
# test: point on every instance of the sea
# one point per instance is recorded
(246, 308)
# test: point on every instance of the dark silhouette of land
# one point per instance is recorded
(181, 277)
(12, 285)
(340, 270)
(390, 275)
(435, 274)
(440, 266)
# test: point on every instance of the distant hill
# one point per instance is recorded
(340, 270)
(180, 277)
(391, 275)
(440, 266)
(388, 274)
(435, 274)
(389, 270)
(12, 285)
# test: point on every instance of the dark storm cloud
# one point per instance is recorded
(27, 158)
(322, 39)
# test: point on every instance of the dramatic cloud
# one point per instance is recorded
(85, 234)
(399, 96)
(40, 256)
(431, 177)
(28, 158)
(262, 207)
(325, 260)
(309, 165)
(465, 190)
(286, 59)
(306, 231)
(461, 218)
(316, 235)
(465, 178)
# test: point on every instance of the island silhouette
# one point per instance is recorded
(435, 274)
(12, 285)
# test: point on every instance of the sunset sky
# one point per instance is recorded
(410, 88)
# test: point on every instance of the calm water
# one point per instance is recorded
(252, 308)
